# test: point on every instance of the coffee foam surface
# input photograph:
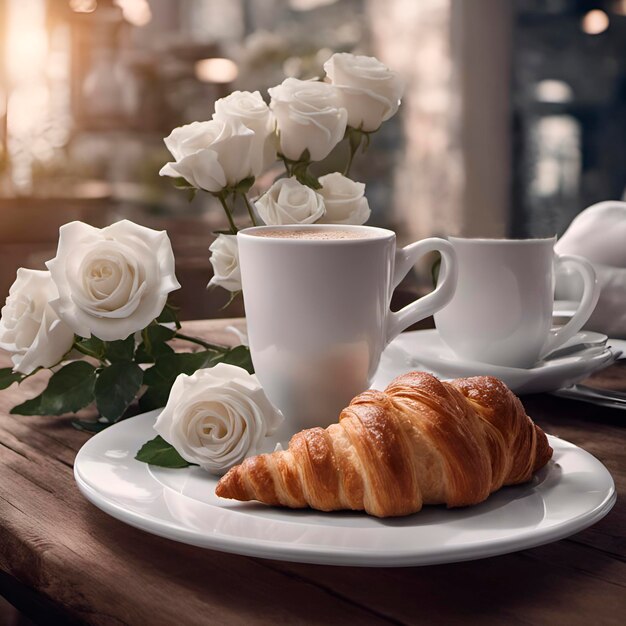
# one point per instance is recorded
(320, 234)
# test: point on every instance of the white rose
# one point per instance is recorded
(289, 202)
(225, 262)
(217, 417)
(211, 155)
(251, 110)
(368, 89)
(112, 281)
(309, 117)
(344, 200)
(29, 328)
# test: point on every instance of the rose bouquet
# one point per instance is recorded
(303, 123)
(99, 317)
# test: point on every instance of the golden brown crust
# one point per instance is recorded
(421, 441)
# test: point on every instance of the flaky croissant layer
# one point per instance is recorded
(421, 441)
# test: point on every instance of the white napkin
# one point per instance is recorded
(599, 234)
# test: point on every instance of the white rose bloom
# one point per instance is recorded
(225, 262)
(250, 109)
(368, 89)
(289, 202)
(344, 200)
(309, 117)
(211, 155)
(217, 417)
(29, 328)
(112, 281)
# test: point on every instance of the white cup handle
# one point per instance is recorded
(591, 293)
(405, 259)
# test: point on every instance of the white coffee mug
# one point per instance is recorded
(501, 312)
(318, 312)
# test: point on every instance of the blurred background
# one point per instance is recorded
(514, 117)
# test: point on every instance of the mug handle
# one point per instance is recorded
(446, 284)
(591, 293)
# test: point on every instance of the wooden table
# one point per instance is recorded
(62, 559)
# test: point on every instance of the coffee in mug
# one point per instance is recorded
(312, 233)
(317, 306)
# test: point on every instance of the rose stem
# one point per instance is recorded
(286, 164)
(204, 344)
(354, 146)
(222, 199)
(249, 207)
(87, 352)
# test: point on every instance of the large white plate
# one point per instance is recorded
(424, 350)
(574, 491)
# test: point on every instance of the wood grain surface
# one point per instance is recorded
(93, 569)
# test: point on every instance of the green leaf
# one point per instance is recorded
(155, 397)
(161, 372)
(158, 452)
(244, 185)
(153, 344)
(366, 143)
(122, 350)
(181, 183)
(354, 138)
(8, 377)
(34, 406)
(158, 350)
(311, 181)
(189, 362)
(160, 334)
(93, 346)
(168, 367)
(303, 176)
(239, 356)
(161, 376)
(169, 315)
(68, 390)
(116, 387)
(91, 426)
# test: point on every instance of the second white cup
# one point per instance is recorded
(501, 312)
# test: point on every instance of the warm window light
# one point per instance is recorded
(595, 22)
(26, 41)
(216, 70)
(28, 102)
(135, 12)
(553, 91)
(83, 6)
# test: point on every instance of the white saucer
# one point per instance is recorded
(424, 349)
(572, 492)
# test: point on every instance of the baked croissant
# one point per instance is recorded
(421, 441)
